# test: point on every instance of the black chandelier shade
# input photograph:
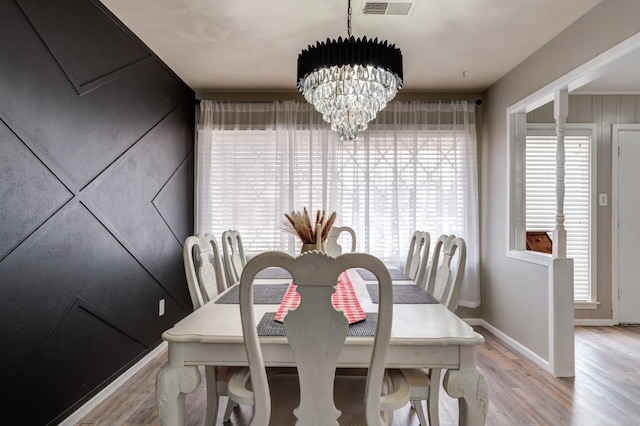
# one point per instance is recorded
(350, 51)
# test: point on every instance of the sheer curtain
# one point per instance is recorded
(414, 168)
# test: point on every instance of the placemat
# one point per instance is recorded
(343, 299)
(268, 326)
(263, 294)
(273, 273)
(396, 275)
(403, 293)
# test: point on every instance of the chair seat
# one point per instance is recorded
(419, 381)
(349, 389)
(348, 396)
(417, 377)
(424, 385)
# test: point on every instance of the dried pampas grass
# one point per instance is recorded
(301, 225)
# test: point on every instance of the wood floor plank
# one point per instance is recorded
(605, 391)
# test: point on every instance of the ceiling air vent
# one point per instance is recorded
(386, 8)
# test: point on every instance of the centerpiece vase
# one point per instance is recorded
(319, 245)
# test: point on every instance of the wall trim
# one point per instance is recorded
(474, 321)
(112, 387)
(577, 77)
(601, 322)
(526, 352)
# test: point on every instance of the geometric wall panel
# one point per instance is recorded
(96, 183)
(173, 194)
(60, 361)
(90, 48)
(124, 203)
(77, 137)
(76, 257)
(30, 193)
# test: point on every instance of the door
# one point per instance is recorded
(628, 233)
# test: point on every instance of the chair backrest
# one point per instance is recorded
(444, 280)
(203, 268)
(233, 253)
(335, 249)
(316, 333)
(416, 264)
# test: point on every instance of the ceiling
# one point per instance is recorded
(253, 45)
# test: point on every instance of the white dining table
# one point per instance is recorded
(423, 335)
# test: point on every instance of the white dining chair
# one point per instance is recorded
(233, 254)
(333, 247)
(417, 257)
(443, 284)
(316, 333)
(444, 278)
(203, 268)
(205, 280)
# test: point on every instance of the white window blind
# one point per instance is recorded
(541, 197)
(388, 186)
(253, 181)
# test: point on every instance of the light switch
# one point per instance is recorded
(161, 308)
(602, 198)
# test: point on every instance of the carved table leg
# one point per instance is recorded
(172, 383)
(470, 386)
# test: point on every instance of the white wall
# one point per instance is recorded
(515, 293)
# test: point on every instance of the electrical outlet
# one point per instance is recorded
(161, 308)
(602, 199)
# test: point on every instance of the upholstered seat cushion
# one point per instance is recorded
(348, 397)
(417, 377)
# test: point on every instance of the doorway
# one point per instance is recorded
(625, 226)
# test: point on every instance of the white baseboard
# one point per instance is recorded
(474, 321)
(112, 387)
(595, 322)
(526, 352)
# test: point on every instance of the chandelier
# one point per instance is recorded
(349, 80)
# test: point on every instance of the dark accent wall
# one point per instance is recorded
(96, 196)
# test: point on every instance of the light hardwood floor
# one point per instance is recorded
(605, 391)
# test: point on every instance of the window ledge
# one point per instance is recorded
(585, 305)
(531, 257)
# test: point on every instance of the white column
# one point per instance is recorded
(560, 112)
(519, 179)
(561, 322)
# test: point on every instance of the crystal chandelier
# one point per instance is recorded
(349, 80)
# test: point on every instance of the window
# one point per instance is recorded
(414, 168)
(541, 197)
(385, 192)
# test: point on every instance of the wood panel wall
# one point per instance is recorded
(96, 190)
(604, 111)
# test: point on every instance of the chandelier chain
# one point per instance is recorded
(349, 20)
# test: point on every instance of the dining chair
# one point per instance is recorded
(416, 264)
(333, 248)
(316, 334)
(233, 254)
(443, 284)
(203, 268)
(205, 280)
(444, 279)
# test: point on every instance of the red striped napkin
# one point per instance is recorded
(344, 299)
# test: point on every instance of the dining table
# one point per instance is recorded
(425, 334)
